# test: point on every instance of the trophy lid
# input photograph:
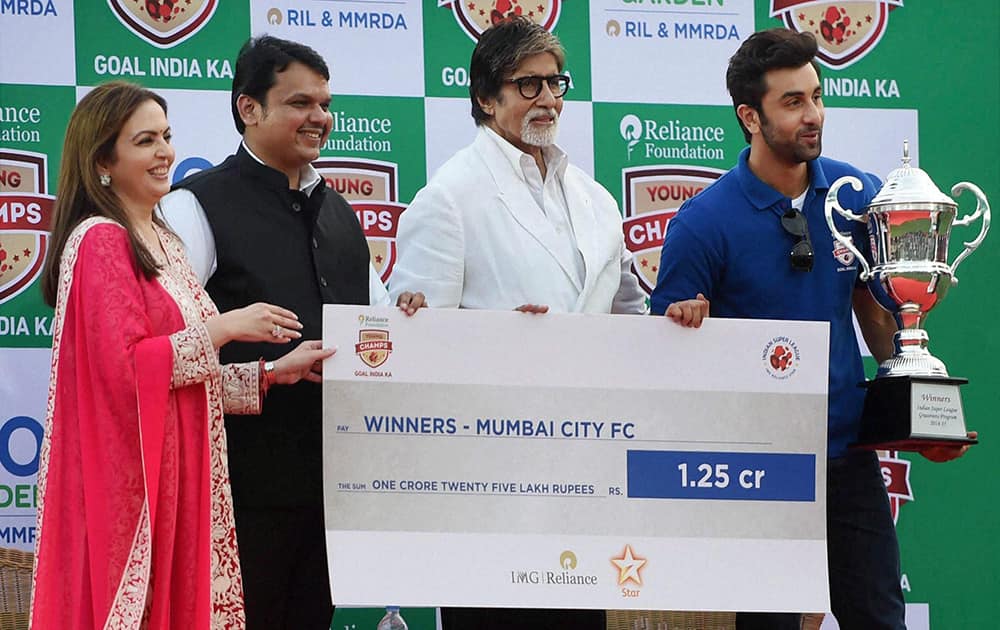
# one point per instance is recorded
(909, 184)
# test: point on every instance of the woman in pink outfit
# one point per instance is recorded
(135, 516)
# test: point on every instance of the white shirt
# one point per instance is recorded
(799, 201)
(185, 216)
(548, 194)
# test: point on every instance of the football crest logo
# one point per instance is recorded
(163, 23)
(475, 16)
(652, 196)
(373, 347)
(843, 255)
(371, 187)
(896, 475)
(845, 31)
(25, 218)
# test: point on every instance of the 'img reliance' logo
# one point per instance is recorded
(565, 576)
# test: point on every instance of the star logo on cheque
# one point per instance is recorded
(629, 567)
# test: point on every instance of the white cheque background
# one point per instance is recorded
(466, 518)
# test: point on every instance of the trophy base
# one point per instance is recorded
(911, 413)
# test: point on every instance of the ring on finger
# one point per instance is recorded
(276, 331)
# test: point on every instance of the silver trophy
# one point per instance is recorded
(913, 402)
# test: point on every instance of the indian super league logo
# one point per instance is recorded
(845, 31)
(372, 189)
(475, 16)
(25, 219)
(781, 357)
(163, 23)
(652, 195)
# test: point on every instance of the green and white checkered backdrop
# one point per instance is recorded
(647, 115)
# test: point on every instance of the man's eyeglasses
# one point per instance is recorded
(795, 224)
(531, 87)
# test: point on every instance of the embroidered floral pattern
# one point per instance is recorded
(240, 383)
(196, 307)
(130, 605)
(195, 360)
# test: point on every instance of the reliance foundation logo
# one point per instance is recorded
(652, 195)
(671, 139)
(475, 16)
(163, 23)
(25, 218)
(845, 31)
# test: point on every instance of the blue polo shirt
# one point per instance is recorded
(728, 243)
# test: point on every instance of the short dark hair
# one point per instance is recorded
(500, 50)
(259, 62)
(773, 49)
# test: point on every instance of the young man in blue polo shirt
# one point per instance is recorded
(755, 244)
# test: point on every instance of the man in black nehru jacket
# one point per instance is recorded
(263, 227)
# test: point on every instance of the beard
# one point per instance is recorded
(540, 137)
(794, 151)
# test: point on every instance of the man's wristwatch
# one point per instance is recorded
(269, 372)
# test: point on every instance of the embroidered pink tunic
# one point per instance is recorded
(135, 516)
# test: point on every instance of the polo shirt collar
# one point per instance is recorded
(763, 196)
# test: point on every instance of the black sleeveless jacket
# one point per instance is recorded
(283, 247)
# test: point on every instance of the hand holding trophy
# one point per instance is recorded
(913, 402)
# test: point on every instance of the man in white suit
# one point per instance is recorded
(507, 222)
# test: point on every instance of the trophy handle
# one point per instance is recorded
(982, 209)
(833, 205)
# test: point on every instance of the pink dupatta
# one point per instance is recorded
(135, 516)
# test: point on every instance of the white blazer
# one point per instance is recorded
(474, 237)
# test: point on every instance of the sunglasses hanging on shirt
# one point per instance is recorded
(795, 224)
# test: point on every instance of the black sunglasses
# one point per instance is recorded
(795, 224)
(531, 87)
